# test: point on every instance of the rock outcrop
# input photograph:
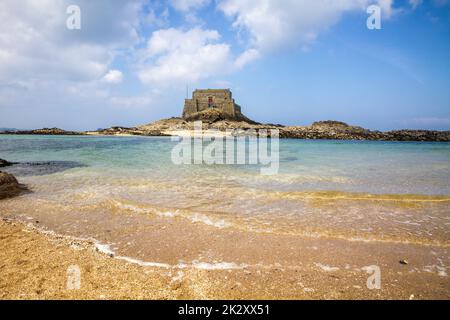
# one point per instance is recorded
(4, 163)
(215, 119)
(335, 130)
(9, 186)
(44, 131)
(329, 130)
(119, 131)
(215, 115)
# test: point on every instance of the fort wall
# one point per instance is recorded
(221, 99)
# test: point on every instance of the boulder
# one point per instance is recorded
(4, 163)
(9, 186)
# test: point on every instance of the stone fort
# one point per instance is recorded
(220, 99)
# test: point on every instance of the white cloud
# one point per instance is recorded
(170, 40)
(273, 24)
(157, 19)
(189, 9)
(35, 44)
(132, 102)
(246, 57)
(176, 57)
(50, 75)
(415, 3)
(187, 5)
(113, 76)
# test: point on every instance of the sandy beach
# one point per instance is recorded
(34, 265)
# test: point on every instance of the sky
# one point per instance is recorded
(291, 62)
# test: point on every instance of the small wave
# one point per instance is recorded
(326, 268)
(340, 195)
(208, 221)
(106, 249)
(217, 265)
(193, 217)
(439, 270)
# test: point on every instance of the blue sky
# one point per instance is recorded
(287, 61)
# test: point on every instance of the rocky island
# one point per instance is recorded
(217, 110)
(43, 131)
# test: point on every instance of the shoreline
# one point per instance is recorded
(188, 133)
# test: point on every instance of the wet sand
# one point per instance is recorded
(34, 264)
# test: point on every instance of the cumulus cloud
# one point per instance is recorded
(35, 44)
(246, 57)
(273, 24)
(43, 63)
(189, 9)
(176, 57)
(49, 74)
(415, 3)
(187, 5)
(113, 76)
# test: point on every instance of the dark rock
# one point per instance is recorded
(9, 186)
(4, 163)
(404, 262)
(336, 130)
(214, 118)
(215, 115)
(330, 123)
(41, 168)
(44, 131)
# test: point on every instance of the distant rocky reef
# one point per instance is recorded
(335, 130)
(322, 130)
(213, 119)
(43, 131)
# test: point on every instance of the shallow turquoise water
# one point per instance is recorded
(382, 191)
(370, 167)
